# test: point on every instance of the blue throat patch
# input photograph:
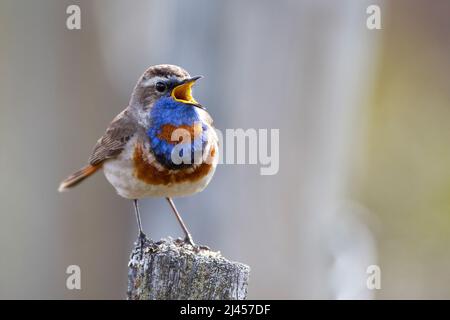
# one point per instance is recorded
(167, 111)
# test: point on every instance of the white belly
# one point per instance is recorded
(120, 172)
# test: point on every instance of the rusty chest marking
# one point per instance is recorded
(148, 173)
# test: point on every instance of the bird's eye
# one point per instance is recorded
(160, 86)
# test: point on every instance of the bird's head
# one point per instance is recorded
(164, 81)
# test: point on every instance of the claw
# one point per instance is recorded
(189, 240)
(197, 248)
(204, 248)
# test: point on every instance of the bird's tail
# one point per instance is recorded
(77, 177)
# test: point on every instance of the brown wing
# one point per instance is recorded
(119, 132)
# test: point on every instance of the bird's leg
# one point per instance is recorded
(141, 236)
(188, 237)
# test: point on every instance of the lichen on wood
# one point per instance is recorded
(172, 270)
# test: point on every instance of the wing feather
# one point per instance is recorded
(119, 132)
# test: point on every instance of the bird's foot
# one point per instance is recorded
(188, 240)
(197, 248)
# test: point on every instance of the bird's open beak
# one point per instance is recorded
(183, 92)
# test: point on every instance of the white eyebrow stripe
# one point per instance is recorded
(152, 81)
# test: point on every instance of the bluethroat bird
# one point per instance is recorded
(137, 151)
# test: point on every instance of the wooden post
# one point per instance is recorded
(171, 270)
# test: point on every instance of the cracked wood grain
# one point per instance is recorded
(172, 270)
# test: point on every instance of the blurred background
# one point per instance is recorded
(364, 120)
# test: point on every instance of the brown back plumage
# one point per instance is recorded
(119, 132)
